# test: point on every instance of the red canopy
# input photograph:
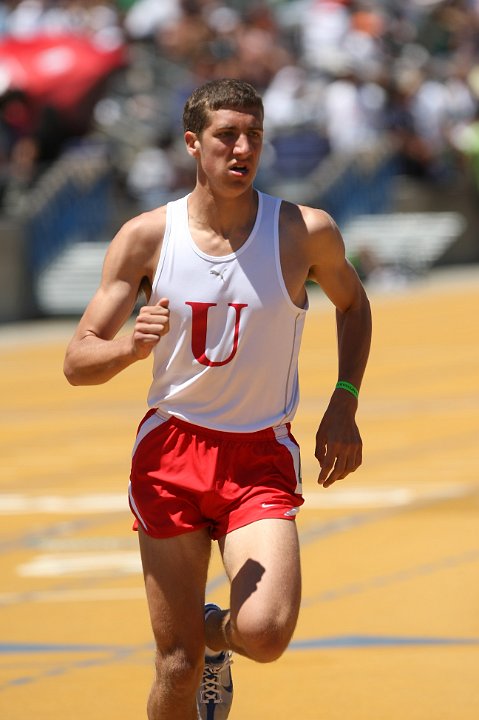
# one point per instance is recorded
(58, 70)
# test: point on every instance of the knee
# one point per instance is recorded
(264, 639)
(178, 670)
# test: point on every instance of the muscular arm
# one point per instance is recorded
(334, 273)
(338, 442)
(95, 353)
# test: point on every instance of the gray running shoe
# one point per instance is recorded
(215, 693)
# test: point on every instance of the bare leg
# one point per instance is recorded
(263, 564)
(175, 571)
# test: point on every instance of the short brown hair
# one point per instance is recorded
(216, 95)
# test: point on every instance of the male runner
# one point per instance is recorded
(224, 271)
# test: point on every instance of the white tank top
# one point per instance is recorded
(230, 359)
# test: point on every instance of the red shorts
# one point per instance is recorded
(185, 477)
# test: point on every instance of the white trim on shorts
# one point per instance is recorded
(134, 507)
(154, 421)
(282, 436)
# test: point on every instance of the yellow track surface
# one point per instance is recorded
(389, 627)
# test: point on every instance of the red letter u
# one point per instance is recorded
(199, 327)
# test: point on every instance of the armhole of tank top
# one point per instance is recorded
(277, 257)
(164, 247)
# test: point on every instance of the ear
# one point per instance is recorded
(192, 143)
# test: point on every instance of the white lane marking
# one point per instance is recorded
(63, 564)
(372, 497)
(87, 595)
(118, 562)
(16, 504)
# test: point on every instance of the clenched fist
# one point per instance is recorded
(152, 322)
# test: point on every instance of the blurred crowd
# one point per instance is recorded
(337, 76)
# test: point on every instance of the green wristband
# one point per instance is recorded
(343, 385)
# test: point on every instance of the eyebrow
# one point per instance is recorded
(235, 127)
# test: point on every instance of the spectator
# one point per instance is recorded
(351, 73)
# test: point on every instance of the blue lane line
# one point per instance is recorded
(365, 641)
(338, 641)
(100, 657)
(34, 648)
(108, 654)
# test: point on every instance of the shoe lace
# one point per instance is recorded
(210, 690)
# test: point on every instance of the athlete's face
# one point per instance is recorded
(228, 150)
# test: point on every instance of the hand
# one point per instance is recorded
(338, 442)
(151, 324)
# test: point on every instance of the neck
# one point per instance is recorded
(228, 220)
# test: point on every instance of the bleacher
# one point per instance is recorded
(413, 241)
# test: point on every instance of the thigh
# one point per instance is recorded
(175, 572)
(263, 564)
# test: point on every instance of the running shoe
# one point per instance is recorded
(215, 693)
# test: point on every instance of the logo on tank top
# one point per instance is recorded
(219, 273)
(199, 329)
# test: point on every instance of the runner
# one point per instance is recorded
(225, 271)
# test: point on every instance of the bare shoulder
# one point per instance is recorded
(139, 240)
(311, 218)
(136, 247)
(313, 248)
(312, 232)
